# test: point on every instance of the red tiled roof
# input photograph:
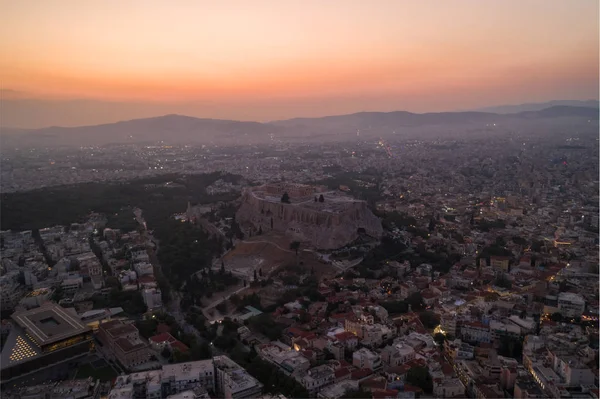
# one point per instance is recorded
(344, 371)
(340, 316)
(297, 332)
(429, 295)
(361, 373)
(180, 346)
(345, 336)
(374, 383)
(163, 337)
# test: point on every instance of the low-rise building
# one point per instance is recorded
(570, 304)
(232, 381)
(181, 377)
(366, 359)
(316, 378)
(122, 341)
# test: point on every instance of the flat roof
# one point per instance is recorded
(18, 348)
(49, 323)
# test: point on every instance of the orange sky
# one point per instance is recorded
(326, 57)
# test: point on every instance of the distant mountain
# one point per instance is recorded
(171, 128)
(513, 109)
(562, 111)
(401, 119)
(178, 129)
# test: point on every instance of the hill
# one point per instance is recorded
(513, 109)
(179, 129)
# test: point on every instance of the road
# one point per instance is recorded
(173, 307)
(175, 311)
(215, 303)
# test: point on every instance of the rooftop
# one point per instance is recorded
(182, 371)
(49, 323)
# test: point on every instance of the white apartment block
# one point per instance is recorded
(185, 376)
(366, 359)
(570, 304)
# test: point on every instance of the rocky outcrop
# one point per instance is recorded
(314, 223)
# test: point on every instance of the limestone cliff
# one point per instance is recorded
(325, 225)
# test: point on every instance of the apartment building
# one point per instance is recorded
(122, 341)
(366, 359)
(181, 377)
(232, 381)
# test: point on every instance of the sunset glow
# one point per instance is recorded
(310, 57)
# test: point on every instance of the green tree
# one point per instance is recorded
(420, 377)
(180, 357)
(166, 353)
(429, 319)
(321, 198)
(201, 351)
(222, 307)
(285, 198)
(439, 338)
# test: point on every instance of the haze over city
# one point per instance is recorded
(325, 199)
(70, 63)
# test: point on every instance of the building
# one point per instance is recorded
(93, 318)
(570, 304)
(11, 291)
(36, 298)
(181, 377)
(89, 265)
(145, 384)
(43, 338)
(397, 354)
(500, 263)
(475, 332)
(315, 379)
(449, 388)
(71, 389)
(291, 362)
(232, 381)
(71, 285)
(196, 393)
(338, 390)
(572, 370)
(346, 338)
(152, 298)
(165, 340)
(448, 323)
(526, 387)
(366, 359)
(457, 350)
(122, 341)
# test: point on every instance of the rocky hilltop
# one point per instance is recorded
(330, 224)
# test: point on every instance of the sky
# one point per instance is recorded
(69, 62)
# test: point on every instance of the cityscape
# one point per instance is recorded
(301, 247)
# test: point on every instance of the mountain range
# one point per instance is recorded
(512, 109)
(179, 129)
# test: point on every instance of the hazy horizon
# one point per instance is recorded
(70, 63)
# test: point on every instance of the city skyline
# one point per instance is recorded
(281, 60)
